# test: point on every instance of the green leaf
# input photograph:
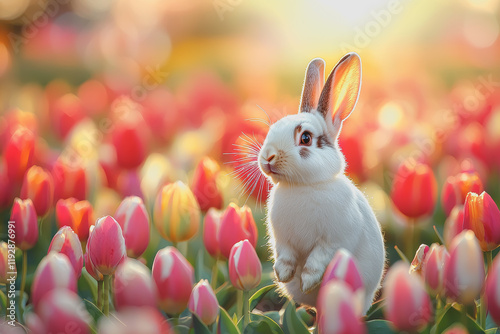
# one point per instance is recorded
(199, 326)
(274, 315)
(273, 327)
(375, 311)
(181, 329)
(93, 310)
(452, 316)
(379, 326)
(493, 331)
(200, 270)
(91, 282)
(305, 316)
(257, 297)
(291, 322)
(226, 295)
(490, 324)
(226, 325)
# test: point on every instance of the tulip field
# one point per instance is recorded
(133, 198)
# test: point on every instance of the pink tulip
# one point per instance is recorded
(174, 279)
(39, 187)
(106, 246)
(62, 311)
(211, 228)
(343, 267)
(482, 216)
(433, 269)
(66, 242)
(88, 264)
(134, 221)
(339, 310)
(453, 225)
(456, 188)
(408, 306)
(492, 290)
(134, 285)
(70, 180)
(456, 329)
(26, 223)
(237, 224)
(464, 272)
(135, 320)
(53, 272)
(245, 269)
(419, 259)
(203, 302)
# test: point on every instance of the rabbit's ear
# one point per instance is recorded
(313, 83)
(341, 91)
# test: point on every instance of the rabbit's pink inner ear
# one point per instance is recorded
(313, 84)
(342, 88)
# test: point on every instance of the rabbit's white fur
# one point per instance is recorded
(313, 208)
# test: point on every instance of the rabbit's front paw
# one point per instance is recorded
(310, 279)
(284, 270)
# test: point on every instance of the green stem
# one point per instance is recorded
(489, 260)
(409, 234)
(246, 308)
(99, 294)
(23, 282)
(482, 310)
(239, 304)
(175, 321)
(106, 295)
(464, 315)
(183, 248)
(6, 300)
(215, 271)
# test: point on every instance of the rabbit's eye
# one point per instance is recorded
(306, 138)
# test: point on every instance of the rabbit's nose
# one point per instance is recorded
(270, 158)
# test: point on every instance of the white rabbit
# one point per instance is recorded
(313, 208)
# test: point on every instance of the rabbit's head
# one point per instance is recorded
(303, 148)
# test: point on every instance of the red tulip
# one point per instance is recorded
(203, 302)
(204, 185)
(339, 309)
(453, 225)
(134, 320)
(53, 272)
(414, 190)
(464, 272)
(456, 188)
(237, 224)
(66, 242)
(492, 290)
(61, 311)
(69, 180)
(245, 269)
(67, 112)
(211, 228)
(39, 187)
(433, 270)
(174, 279)
(26, 224)
(408, 306)
(419, 259)
(106, 246)
(130, 142)
(343, 267)
(79, 215)
(133, 285)
(482, 216)
(18, 153)
(134, 221)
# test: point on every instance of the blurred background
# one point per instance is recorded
(136, 92)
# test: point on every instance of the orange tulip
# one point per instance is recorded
(79, 215)
(18, 153)
(69, 181)
(39, 187)
(205, 186)
(482, 216)
(456, 188)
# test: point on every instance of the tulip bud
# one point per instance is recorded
(62, 311)
(419, 259)
(133, 285)
(205, 185)
(237, 224)
(433, 269)
(482, 216)
(66, 242)
(134, 221)
(339, 309)
(134, 320)
(492, 290)
(464, 271)
(343, 267)
(39, 187)
(69, 180)
(414, 190)
(174, 279)
(88, 264)
(245, 269)
(79, 215)
(408, 306)
(53, 272)
(18, 153)
(4, 262)
(26, 223)
(211, 228)
(203, 302)
(176, 213)
(456, 188)
(106, 246)
(453, 225)
(456, 329)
